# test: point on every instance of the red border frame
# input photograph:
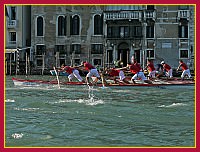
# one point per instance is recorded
(2, 93)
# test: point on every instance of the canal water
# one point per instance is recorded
(80, 116)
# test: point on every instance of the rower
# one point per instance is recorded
(138, 74)
(117, 72)
(168, 69)
(92, 71)
(151, 69)
(185, 70)
(72, 73)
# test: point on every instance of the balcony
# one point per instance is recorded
(149, 15)
(122, 15)
(184, 14)
(39, 40)
(11, 23)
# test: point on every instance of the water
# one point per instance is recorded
(80, 116)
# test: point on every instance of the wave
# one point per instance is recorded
(172, 105)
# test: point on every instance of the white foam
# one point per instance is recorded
(26, 109)
(173, 105)
(9, 100)
(91, 101)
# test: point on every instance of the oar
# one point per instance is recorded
(57, 77)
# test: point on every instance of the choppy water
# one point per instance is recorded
(117, 116)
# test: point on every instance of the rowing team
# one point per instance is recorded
(134, 68)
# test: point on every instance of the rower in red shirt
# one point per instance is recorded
(185, 70)
(168, 69)
(92, 71)
(137, 73)
(151, 69)
(72, 73)
(117, 73)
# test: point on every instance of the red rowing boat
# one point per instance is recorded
(27, 82)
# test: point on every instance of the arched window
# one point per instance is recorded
(75, 25)
(98, 25)
(40, 25)
(61, 26)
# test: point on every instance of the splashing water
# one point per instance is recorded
(17, 136)
(91, 95)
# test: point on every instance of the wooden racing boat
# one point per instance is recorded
(26, 82)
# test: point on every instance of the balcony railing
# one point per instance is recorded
(123, 15)
(60, 40)
(184, 14)
(39, 40)
(12, 23)
(149, 14)
(11, 44)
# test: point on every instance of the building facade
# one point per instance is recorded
(17, 37)
(104, 34)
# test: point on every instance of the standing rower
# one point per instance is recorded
(185, 70)
(168, 69)
(151, 69)
(92, 71)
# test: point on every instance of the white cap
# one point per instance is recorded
(162, 62)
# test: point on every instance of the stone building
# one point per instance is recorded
(104, 34)
(17, 37)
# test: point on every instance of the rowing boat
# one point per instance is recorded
(27, 82)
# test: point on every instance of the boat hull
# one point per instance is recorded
(23, 82)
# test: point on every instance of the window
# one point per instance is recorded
(136, 31)
(97, 62)
(109, 56)
(75, 48)
(109, 32)
(39, 62)
(75, 25)
(124, 31)
(150, 7)
(98, 25)
(118, 32)
(40, 26)
(97, 49)
(150, 54)
(137, 55)
(40, 49)
(62, 61)
(183, 31)
(183, 53)
(150, 31)
(113, 32)
(60, 49)
(13, 13)
(77, 61)
(61, 26)
(12, 37)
